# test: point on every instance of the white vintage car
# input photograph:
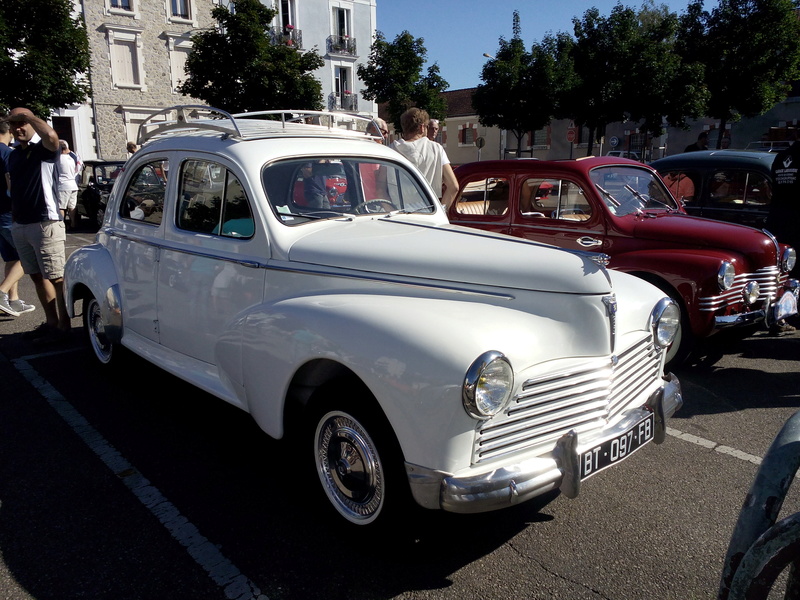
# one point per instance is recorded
(308, 275)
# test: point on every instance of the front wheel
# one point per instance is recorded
(350, 467)
(94, 328)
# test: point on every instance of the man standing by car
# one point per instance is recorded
(38, 228)
(783, 220)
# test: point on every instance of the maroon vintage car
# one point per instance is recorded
(723, 275)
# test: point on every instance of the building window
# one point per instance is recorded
(181, 9)
(540, 138)
(287, 13)
(341, 22)
(467, 134)
(125, 53)
(179, 47)
(128, 8)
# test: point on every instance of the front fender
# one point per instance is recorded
(412, 354)
(90, 271)
(692, 274)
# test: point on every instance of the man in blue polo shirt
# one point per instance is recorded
(38, 229)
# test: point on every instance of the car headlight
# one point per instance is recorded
(789, 259)
(665, 321)
(725, 275)
(751, 292)
(487, 385)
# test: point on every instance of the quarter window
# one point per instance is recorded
(739, 188)
(484, 197)
(213, 201)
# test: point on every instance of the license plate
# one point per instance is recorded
(616, 449)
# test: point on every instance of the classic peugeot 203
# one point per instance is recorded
(406, 357)
(721, 275)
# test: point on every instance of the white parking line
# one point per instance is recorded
(221, 570)
(688, 437)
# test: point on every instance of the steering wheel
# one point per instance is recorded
(363, 208)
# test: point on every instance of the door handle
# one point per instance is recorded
(589, 242)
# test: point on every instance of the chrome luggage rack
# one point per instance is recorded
(254, 125)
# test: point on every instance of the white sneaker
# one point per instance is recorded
(21, 306)
(6, 307)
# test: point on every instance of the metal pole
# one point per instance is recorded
(760, 549)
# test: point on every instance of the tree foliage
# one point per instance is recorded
(46, 56)
(750, 52)
(243, 65)
(393, 74)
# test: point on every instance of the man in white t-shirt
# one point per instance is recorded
(68, 185)
(428, 156)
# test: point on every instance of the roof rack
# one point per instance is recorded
(255, 124)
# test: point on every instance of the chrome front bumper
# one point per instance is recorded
(777, 309)
(559, 469)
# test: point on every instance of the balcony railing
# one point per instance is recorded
(342, 44)
(348, 102)
(288, 37)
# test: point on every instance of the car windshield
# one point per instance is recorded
(302, 190)
(628, 190)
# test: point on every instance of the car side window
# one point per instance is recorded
(554, 199)
(143, 199)
(484, 197)
(739, 188)
(212, 200)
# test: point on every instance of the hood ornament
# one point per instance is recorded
(611, 307)
(600, 258)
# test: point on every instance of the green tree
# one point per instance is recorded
(46, 55)
(243, 65)
(662, 85)
(750, 52)
(517, 92)
(393, 74)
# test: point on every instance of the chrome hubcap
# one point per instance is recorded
(349, 467)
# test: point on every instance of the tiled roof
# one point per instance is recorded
(459, 102)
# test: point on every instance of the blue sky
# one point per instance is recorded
(458, 32)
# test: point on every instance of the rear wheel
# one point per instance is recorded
(94, 328)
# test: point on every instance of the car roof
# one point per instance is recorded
(710, 159)
(544, 167)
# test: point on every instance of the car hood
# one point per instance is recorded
(697, 232)
(391, 246)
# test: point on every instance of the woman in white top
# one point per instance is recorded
(68, 169)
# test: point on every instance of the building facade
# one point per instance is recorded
(139, 48)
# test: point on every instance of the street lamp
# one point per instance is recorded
(490, 56)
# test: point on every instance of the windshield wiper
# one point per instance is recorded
(646, 200)
(608, 195)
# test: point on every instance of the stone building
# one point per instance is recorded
(139, 48)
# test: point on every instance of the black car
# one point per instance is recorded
(97, 179)
(726, 185)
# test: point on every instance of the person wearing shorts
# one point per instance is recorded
(38, 228)
(10, 303)
(68, 184)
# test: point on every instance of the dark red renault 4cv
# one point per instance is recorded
(722, 275)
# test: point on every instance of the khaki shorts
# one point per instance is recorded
(41, 247)
(67, 199)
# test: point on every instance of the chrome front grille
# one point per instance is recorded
(583, 398)
(768, 278)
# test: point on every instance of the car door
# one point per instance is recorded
(210, 269)
(135, 240)
(558, 211)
